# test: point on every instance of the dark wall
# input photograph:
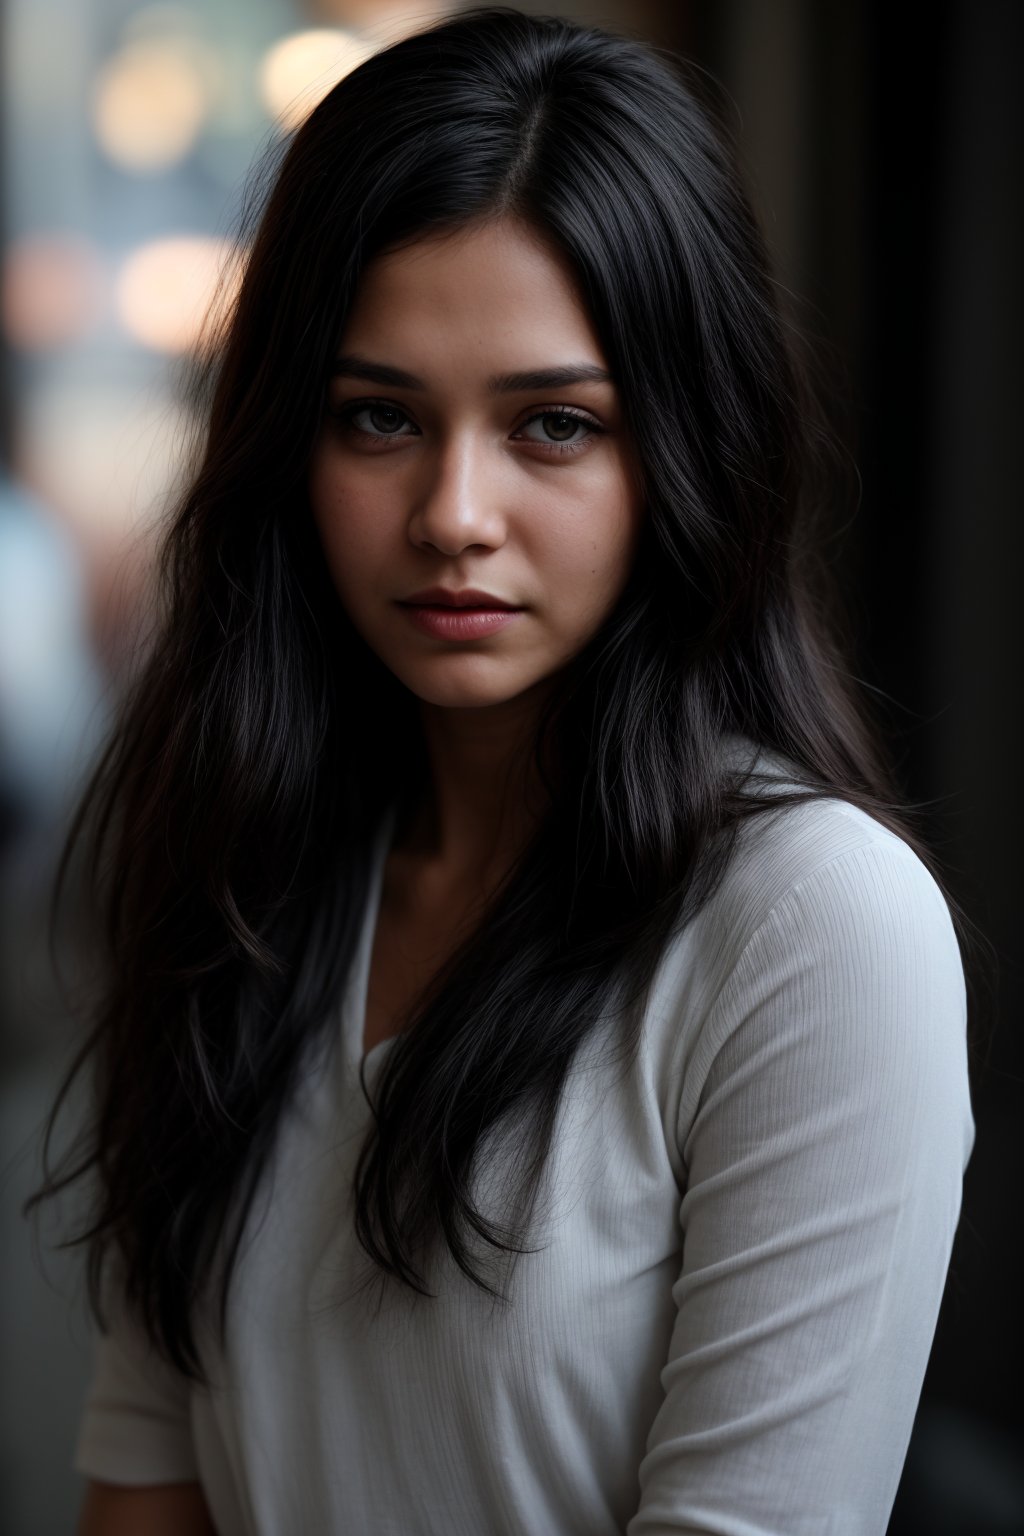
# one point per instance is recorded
(885, 144)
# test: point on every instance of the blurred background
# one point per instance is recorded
(884, 147)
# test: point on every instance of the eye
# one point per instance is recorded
(383, 416)
(560, 424)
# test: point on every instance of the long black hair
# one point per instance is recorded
(229, 821)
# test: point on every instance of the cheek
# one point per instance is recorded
(350, 524)
(590, 552)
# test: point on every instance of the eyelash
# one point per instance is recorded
(344, 416)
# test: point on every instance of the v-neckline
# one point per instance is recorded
(360, 984)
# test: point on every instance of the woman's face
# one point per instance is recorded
(438, 469)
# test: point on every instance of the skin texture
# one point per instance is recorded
(454, 485)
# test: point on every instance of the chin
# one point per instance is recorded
(462, 687)
(465, 698)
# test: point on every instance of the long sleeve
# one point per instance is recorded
(135, 1428)
(824, 1147)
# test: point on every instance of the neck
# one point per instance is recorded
(484, 797)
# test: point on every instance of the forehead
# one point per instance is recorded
(499, 285)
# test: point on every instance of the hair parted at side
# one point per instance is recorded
(229, 821)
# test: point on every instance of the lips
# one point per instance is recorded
(467, 614)
(468, 597)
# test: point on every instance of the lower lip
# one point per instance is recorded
(460, 623)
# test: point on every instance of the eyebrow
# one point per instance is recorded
(352, 367)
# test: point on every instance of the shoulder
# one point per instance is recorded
(827, 934)
(787, 862)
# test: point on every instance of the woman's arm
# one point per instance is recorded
(825, 1158)
(171, 1509)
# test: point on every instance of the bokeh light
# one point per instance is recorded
(170, 292)
(393, 16)
(299, 70)
(52, 291)
(150, 102)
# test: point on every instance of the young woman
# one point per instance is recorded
(529, 1088)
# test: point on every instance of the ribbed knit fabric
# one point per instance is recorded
(745, 1239)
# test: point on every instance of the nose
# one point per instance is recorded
(457, 503)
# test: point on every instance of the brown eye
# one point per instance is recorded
(559, 427)
(384, 418)
(382, 415)
(563, 427)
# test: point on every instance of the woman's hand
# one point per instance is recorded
(170, 1509)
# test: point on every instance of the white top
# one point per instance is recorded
(745, 1240)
